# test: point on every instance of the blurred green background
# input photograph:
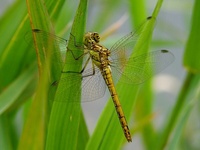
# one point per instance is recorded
(165, 114)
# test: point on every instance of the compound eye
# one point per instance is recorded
(96, 37)
(86, 41)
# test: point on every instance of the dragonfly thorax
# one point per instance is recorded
(98, 53)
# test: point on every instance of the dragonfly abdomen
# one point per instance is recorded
(106, 72)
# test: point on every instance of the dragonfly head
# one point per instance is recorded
(91, 38)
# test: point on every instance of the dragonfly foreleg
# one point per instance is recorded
(87, 75)
(78, 45)
(77, 58)
(93, 70)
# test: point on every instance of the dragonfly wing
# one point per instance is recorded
(47, 41)
(43, 36)
(138, 69)
(93, 86)
(126, 44)
(122, 49)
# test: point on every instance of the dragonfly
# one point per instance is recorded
(104, 67)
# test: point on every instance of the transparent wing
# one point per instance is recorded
(93, 86)
(122, 49)
(43, 37)
(126, 44)
(136, 70)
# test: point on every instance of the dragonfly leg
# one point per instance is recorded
(93, 72)
(77, 58)
(56, 82)
(78, 45)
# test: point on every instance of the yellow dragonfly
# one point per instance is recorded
(103, 67)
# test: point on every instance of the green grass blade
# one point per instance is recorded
(16, 88)
(14, 62)
(10, 22)
(145, 101)
(66, 119)
(34, 132)
(83, 135)
(191, 101)
(55, 8)
(33, 135)
(191, 62)
(158, 7)
(192, 53)
(9, 56)
(6, 141)
(164, 137)
(137, 12)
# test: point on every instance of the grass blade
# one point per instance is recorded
(66, 116)
(192, 53)
(16, 88)
(37, 120)
(192, 64)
